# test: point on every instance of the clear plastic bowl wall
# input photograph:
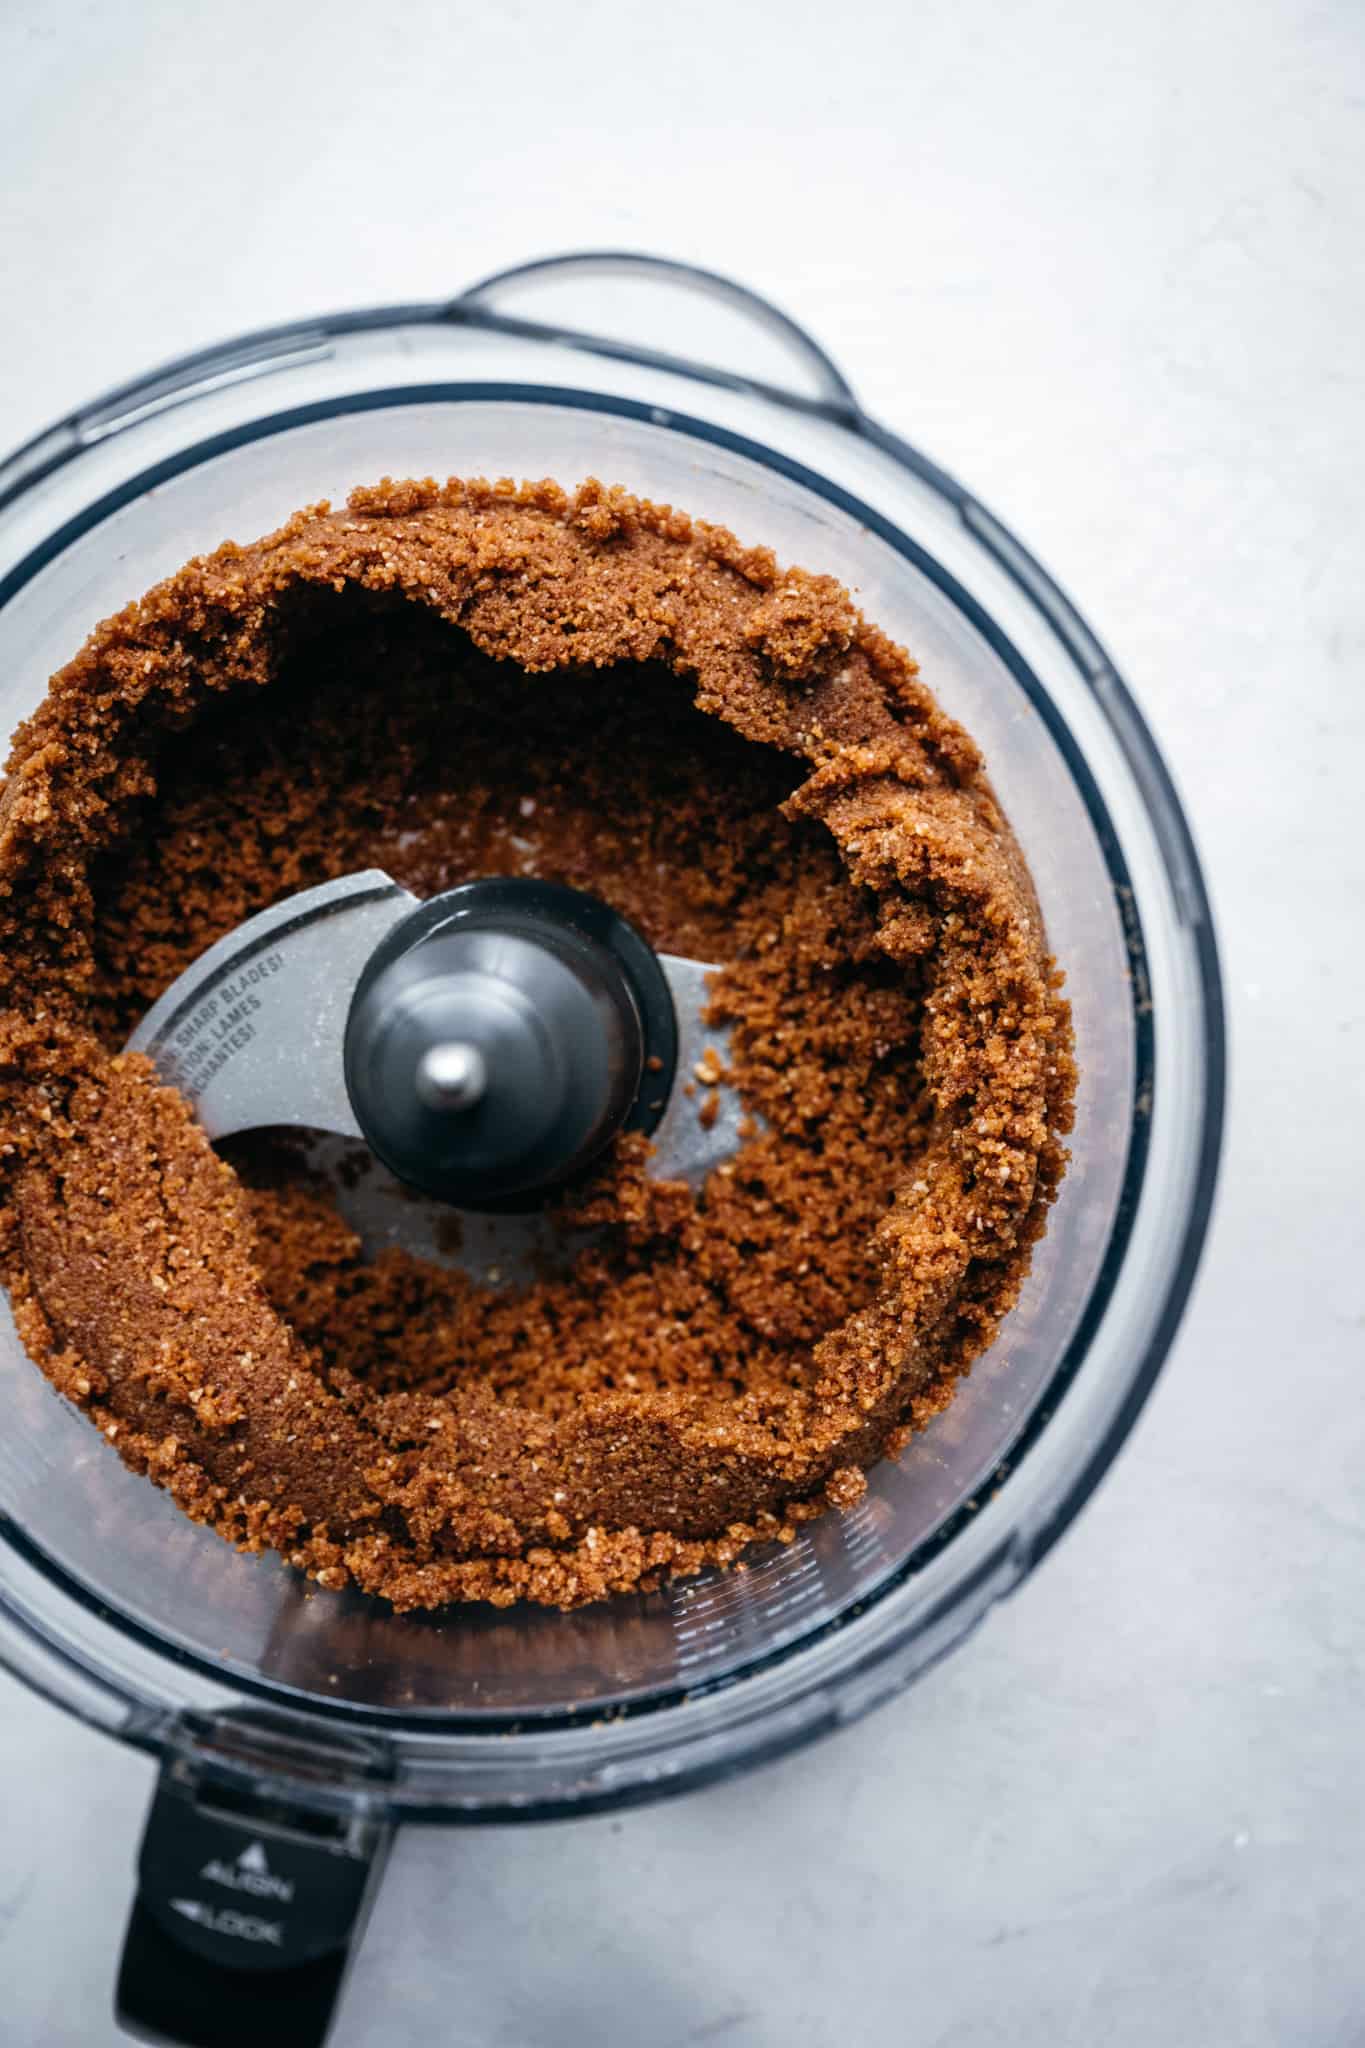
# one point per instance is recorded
(137, 1616)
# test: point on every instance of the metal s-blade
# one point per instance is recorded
(701, 1125)
(510, 1251)
(252, 1033)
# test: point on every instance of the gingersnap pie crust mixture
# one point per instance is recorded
(465, 680)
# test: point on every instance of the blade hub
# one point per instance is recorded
(495, 1045)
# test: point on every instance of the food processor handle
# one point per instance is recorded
(528, 290)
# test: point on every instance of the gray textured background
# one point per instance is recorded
(1105, 263)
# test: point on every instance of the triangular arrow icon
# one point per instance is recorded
(254, 1859)
(193, 1909)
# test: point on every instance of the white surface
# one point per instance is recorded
(1105, 263)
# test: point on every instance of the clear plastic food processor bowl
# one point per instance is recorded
(146, 1626)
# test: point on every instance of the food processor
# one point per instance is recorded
(296, 1728)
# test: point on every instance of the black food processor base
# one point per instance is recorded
(245, 1917)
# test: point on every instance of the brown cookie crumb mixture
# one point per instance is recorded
(456, 681)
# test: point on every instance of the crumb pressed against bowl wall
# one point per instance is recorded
(466, 680)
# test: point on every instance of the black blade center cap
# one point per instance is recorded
(502, 1035)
